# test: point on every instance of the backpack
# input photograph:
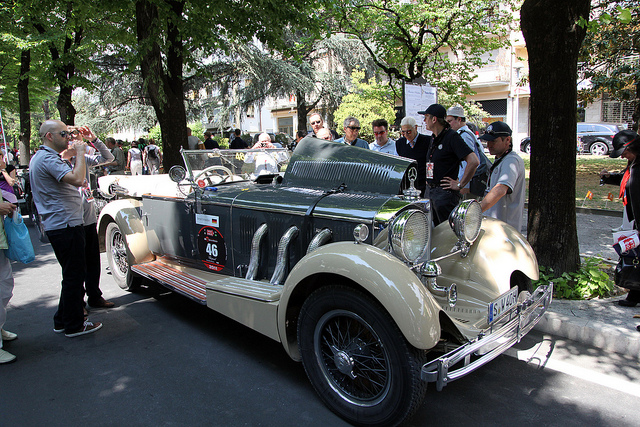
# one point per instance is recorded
(152, 152)
(478, 184)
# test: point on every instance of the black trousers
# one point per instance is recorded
(443, 201)
(633, 296)
(92, 258)
(68, 245)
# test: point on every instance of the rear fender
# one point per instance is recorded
(380, 274)
(126, 215)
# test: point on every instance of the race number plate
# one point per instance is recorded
(501, 305)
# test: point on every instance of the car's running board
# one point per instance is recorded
(179, 278)
(261, 291)
(174, 279)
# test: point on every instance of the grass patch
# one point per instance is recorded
(588, 169)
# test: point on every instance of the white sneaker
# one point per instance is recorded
(8, 336)
(87, 328)
(6, 357)
(615, 230)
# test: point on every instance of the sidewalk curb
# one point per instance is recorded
(599, 323)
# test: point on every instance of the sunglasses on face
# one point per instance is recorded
(382, 132)
(354, 127)
(406, 132)
(317, 122)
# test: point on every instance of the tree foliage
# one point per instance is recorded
(314, 71)
(441, 41)
(367, 101)
(610, 54)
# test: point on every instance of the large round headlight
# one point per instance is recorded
(410, 235)
(466, 219)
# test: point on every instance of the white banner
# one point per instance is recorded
(417, 97)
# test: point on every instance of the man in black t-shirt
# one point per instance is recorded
(210, 143)
(238, 143)
(443, 161)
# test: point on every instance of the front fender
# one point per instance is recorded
(126, 215)
(382, 275)
(486, 272)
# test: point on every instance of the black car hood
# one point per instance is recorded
(326, 165)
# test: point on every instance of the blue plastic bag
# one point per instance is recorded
(20, 247)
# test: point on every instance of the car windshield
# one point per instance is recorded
(241, 164)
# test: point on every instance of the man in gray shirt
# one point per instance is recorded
(505, 197)
(96, 155)
(55, 184)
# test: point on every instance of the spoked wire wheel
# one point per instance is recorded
(352, 358)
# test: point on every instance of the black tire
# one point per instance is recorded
(527, 148)
(118, 261)
(357, 359)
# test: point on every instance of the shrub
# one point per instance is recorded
(590, 281)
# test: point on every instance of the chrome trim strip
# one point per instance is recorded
(321, 238)
(525, 316)
(283, 249)
(254, 260)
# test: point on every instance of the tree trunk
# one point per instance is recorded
(553, 40)
(25, 110)
(165, 88)
(303, 110)
(636, 112)
(46, 110)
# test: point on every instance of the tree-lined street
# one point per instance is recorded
(161, 359)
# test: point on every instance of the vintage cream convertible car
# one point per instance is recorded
(331, 253)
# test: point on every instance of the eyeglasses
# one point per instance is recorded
(354, 127)
(317, 122)
(405, 132)
(382, 132)
(69, 133)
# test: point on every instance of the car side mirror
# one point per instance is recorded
(177, 173)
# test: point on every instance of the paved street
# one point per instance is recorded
(161, 359)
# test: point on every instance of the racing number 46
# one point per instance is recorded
(212, 250)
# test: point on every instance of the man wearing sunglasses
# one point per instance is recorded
(351, 132)
(505, 198)
(414, 145)
(316, 122)
(55, 184)
(382, 143)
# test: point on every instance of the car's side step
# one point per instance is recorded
(261, 291)
(177, 280)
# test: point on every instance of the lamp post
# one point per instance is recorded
(516, 90)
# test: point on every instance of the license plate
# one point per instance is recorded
(501, 305)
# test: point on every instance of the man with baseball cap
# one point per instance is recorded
(447, 150)
(505, 197)
(458, 122)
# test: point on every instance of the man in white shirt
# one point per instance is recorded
(382, 143)
(457, 121)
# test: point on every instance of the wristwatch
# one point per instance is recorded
(459, 186)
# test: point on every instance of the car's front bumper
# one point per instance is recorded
(520, 321)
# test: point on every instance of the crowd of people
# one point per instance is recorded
(448, 160)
